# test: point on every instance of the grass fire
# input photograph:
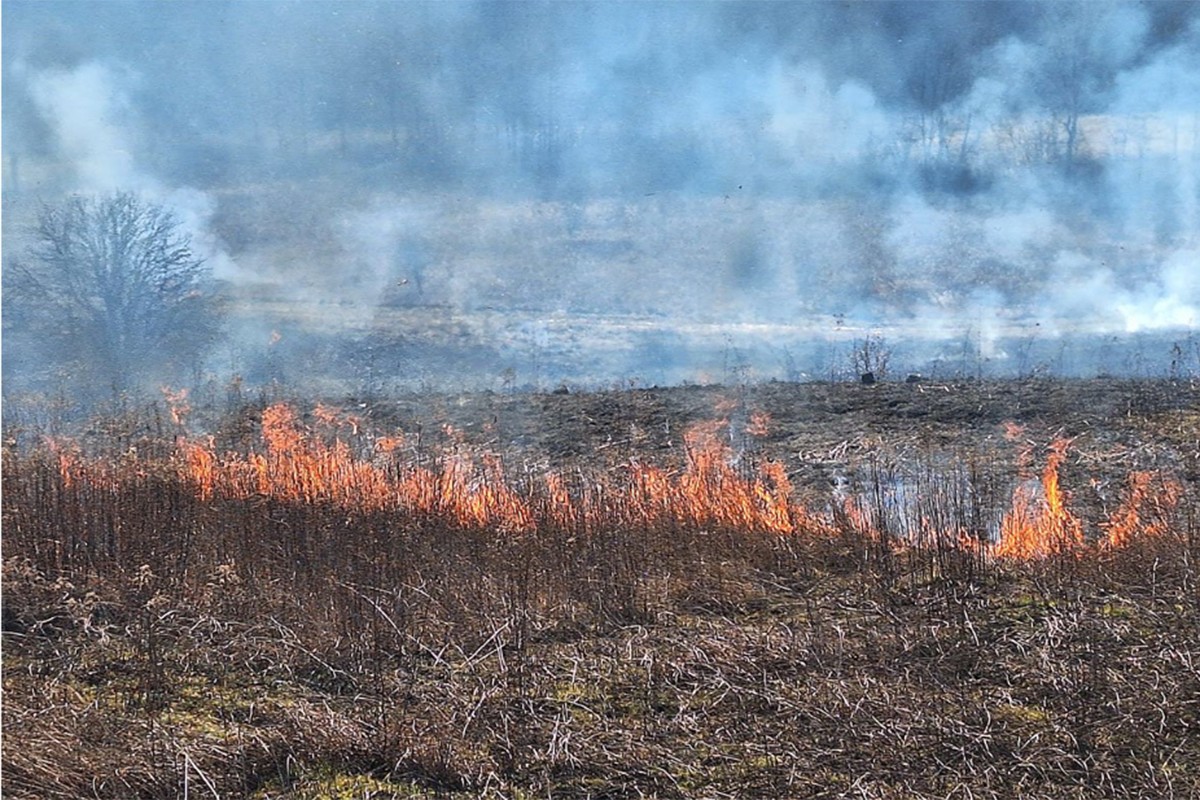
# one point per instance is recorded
(485, 399)
(411, 600)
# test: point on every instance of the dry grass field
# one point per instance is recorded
(976, 589)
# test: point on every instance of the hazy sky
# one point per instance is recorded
(939, 162)
(625, 96)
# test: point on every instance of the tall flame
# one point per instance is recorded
(1036, 528)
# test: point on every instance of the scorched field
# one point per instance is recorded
(976, 589)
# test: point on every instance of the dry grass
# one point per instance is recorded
(164, 636)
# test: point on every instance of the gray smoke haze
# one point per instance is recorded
(94, 131)
(588, 190)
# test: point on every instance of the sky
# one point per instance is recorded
(941, 166)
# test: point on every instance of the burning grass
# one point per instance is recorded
(341, 609)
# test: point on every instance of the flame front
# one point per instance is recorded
(711, 490)
(472, 491)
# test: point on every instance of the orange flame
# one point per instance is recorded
(389, 444)
(1144, 512)
(335, 418)
(711, 489)
(199, 466)
(1037, 529)
(69, 459)
(759, 425)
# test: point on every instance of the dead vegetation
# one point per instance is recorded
(337, 608)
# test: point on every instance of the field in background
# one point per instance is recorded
(403, 291)
(917, 516)
(979, 589)
(371, 291)
(401, 349)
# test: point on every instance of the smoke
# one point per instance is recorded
(937, 171)
(94, 125)
(88, 116)
(1170, 300)
(386, 249)
(815, 123)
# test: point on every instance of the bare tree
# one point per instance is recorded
(870, 357)
(113, 290)
(1081, 57)
(1064, 86)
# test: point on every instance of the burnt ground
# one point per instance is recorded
(826, 432)
(803, 416)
